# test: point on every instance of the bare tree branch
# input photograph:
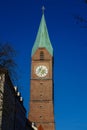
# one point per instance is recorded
(7, 54)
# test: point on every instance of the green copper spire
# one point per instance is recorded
(42, 39)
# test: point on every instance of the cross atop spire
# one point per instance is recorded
(43, 9)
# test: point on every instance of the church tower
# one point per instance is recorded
(42, 87)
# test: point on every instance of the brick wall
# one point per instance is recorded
(41, 92)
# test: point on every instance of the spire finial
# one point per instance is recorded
(43, 8)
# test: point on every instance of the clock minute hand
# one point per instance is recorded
(40, 69)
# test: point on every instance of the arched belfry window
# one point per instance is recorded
(41, 55)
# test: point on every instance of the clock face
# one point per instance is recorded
(41, 71)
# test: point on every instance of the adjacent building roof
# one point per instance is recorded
(42, 38)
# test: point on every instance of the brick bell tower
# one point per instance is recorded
(41, 92)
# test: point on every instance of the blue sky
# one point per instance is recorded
(19, 22)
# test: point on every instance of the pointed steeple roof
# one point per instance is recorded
(42, 38)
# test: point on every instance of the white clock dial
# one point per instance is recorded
(41, 71)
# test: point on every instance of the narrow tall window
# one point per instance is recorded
(41, 55)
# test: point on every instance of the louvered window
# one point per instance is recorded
(41, 55)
